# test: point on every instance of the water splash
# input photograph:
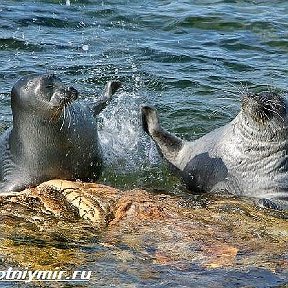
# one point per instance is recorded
(130, 156)
(121, 136)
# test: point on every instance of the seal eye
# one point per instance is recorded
(51, 77)
(49, 81)
(49, 85)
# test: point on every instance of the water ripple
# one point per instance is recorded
(16, 44)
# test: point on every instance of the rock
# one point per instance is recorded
(63, 224)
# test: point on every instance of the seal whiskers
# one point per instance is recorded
(63, 118)
(69, 116)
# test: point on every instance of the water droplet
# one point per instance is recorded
(85, 47)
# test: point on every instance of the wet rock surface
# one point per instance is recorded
(139, 237)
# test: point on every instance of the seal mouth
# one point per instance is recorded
(57, 90)
(61, 99)
(264, 106)
(61, 95)
(71, 95)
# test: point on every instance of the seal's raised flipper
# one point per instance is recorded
(168, 144)
(110, 88)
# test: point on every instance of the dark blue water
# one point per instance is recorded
(191, 59)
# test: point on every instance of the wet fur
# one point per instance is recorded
(53, 135)
(247, 156)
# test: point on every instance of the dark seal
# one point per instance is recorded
(248, 156)
(53, 135)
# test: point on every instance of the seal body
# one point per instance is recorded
(53, 134)
(247, 157)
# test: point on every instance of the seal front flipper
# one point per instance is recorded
(6, 163)
(205, 173)
(168, 145)
(110, 89)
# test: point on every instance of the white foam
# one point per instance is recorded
(123, 141)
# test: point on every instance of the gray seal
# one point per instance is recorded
(53, 135)
(247, 157)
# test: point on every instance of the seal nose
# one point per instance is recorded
(73, 93)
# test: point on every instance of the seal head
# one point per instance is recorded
(264, 106)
